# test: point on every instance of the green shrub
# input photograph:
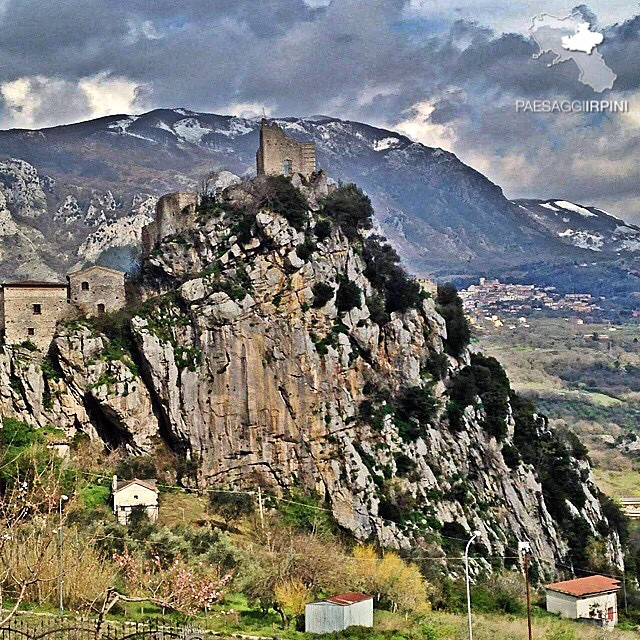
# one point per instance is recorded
(280, 196)
(232, 506)
(493, 387)
(485, 378)
(511, 456)
(303, 513)
(141, 467)
(350, 209)
(387, 277)
(348, 296)
(437, 365)
(323, 229)
(93, 496)
(415, 408)
(377, 311)
(305, 250)
(322, 293)
(449, 306)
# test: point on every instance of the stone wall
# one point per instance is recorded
(280, 154)
(29, 312)
(97, 290)
(175, 212)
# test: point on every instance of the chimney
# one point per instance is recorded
(114, 483)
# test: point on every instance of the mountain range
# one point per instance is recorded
(81, 193)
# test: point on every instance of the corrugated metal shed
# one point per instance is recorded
(339, 612)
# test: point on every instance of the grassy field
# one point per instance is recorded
(584, 376)
(246, 622)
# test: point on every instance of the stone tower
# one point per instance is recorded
(280, 154)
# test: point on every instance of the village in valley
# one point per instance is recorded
(502, 303)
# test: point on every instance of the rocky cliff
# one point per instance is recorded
(278, 342)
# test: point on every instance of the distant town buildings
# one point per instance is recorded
(631, 507)
(489, 298)
(593, 599)
(128, 495)
(30, 310)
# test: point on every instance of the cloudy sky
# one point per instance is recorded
(445, 72)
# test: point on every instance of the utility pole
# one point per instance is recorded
(526, 576)
(468, 581)
(63, 498)
(525, 549)
(261, 507)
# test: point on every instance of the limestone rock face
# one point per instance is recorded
(257, 381)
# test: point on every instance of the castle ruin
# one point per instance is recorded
(281, 155)
(175, 212)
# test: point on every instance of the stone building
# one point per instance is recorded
(97, 290)
(29, 311)
(279, 154)
(175, 212)
(129, 494)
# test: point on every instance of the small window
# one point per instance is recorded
(85, 286)
(100, 308)
(37, 309)
(287, 167)
(31, 331)
(135, 497)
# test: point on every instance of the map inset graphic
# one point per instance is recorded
(571, 38)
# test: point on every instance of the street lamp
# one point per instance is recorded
(466, 571)
(63, 498)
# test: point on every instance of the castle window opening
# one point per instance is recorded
(37, 309)
(101, 308)
(31, 331)
(85, 286)
(287, 167)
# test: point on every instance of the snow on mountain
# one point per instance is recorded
(583, 226)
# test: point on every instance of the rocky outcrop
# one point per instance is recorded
(240, 364)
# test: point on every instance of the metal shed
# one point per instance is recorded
(338, 613)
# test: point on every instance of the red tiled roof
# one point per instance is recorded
(585, 586)
(351, 597)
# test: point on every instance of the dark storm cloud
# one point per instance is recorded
(353, 59)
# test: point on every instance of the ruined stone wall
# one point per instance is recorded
(97, 290)
(30, 313)
(280, 154)
(175, 212)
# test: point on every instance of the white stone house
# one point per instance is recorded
(339, 612)
(593, 599)
(128, 494)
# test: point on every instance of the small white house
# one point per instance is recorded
(339, 612)
(593, 599)
(128, 494)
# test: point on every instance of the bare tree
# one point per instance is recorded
(207, 184)
(29, 521)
